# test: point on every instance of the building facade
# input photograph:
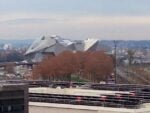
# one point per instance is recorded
(13, 98)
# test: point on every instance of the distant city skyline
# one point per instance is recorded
(75, 19)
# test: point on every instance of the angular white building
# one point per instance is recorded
(54, 45)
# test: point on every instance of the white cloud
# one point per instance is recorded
(22, 25)
(79, 19)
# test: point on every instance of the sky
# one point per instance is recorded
(75, 19)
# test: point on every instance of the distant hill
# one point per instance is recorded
(142, 44)
(17, 43)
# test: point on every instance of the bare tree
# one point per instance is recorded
(94, 66)
(130, 55)
(10, 68)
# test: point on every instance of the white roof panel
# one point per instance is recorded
(43, 43)
(89, 43)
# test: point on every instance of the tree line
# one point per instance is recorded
(91, 66)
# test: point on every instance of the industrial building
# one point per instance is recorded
(13, 98)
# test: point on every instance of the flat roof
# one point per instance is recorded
(12, 86)
(73, 91)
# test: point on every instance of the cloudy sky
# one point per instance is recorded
(75, 19)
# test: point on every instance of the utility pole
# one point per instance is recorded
(115, 55)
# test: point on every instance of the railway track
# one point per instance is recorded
(96, 86)
(137, 96)
(119, 87)
(117, 100)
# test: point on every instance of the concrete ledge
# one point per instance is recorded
(36, 107)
